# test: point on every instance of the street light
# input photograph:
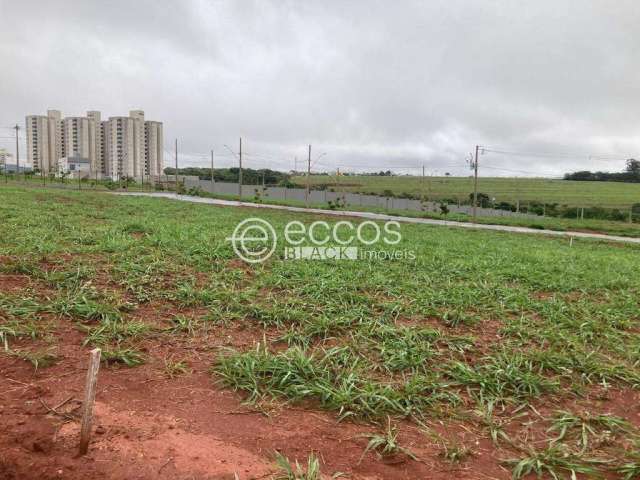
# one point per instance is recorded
(239, 156)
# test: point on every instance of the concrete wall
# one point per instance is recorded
(351, 199)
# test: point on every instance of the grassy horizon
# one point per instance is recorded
(509, 189)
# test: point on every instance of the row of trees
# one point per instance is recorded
(631, 174)
(231, 175)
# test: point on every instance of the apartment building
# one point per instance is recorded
(5, 157)
(96, 142)
(75, 137)
(154, 147)
(54, 132)
(117, 147)
(38, 142)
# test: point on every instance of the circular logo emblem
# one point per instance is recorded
(254, 240)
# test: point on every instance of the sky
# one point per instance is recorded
(372, 85)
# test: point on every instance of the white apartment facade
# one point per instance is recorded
(154, 148)
(115, 148)
(75, 137)
(5, 157)
(38, 142)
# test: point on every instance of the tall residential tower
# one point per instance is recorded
(114, 148)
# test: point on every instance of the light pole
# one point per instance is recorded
(240, 169)
(308, 190)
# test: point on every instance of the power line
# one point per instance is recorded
(490, 167)
(576, 156)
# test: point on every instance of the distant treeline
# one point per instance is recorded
(231, 175)
(631, 174)
(381, 173)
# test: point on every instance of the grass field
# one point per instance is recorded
(580, 194)
(610, 227)
(551, 223)
(489, 353)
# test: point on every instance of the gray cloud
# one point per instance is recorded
(374, 84)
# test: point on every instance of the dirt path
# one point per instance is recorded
(383, 217)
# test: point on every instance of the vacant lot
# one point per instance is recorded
(580, 194)
(487, 356)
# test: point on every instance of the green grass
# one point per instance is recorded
(37, 358)
(631, 469)
(479, 328)
(555, 463)
(289, 471)
(587, 428)
(509, 189)
(537, 222)
(174, 368)
(141, 281)
(122, 356)
(572, 193)
(386, 444)
(455, 452)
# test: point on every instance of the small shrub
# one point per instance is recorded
(386, 445)
(296, 472)
(173, 368)
(125, 356)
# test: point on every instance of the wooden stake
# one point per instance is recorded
(89, 397)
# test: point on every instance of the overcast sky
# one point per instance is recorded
(373, 84)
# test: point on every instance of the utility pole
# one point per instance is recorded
(212, 180)
(176, 165)
(423, 182)
(17, 127)
(240, 173)
(475, 184)
(306, 196)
